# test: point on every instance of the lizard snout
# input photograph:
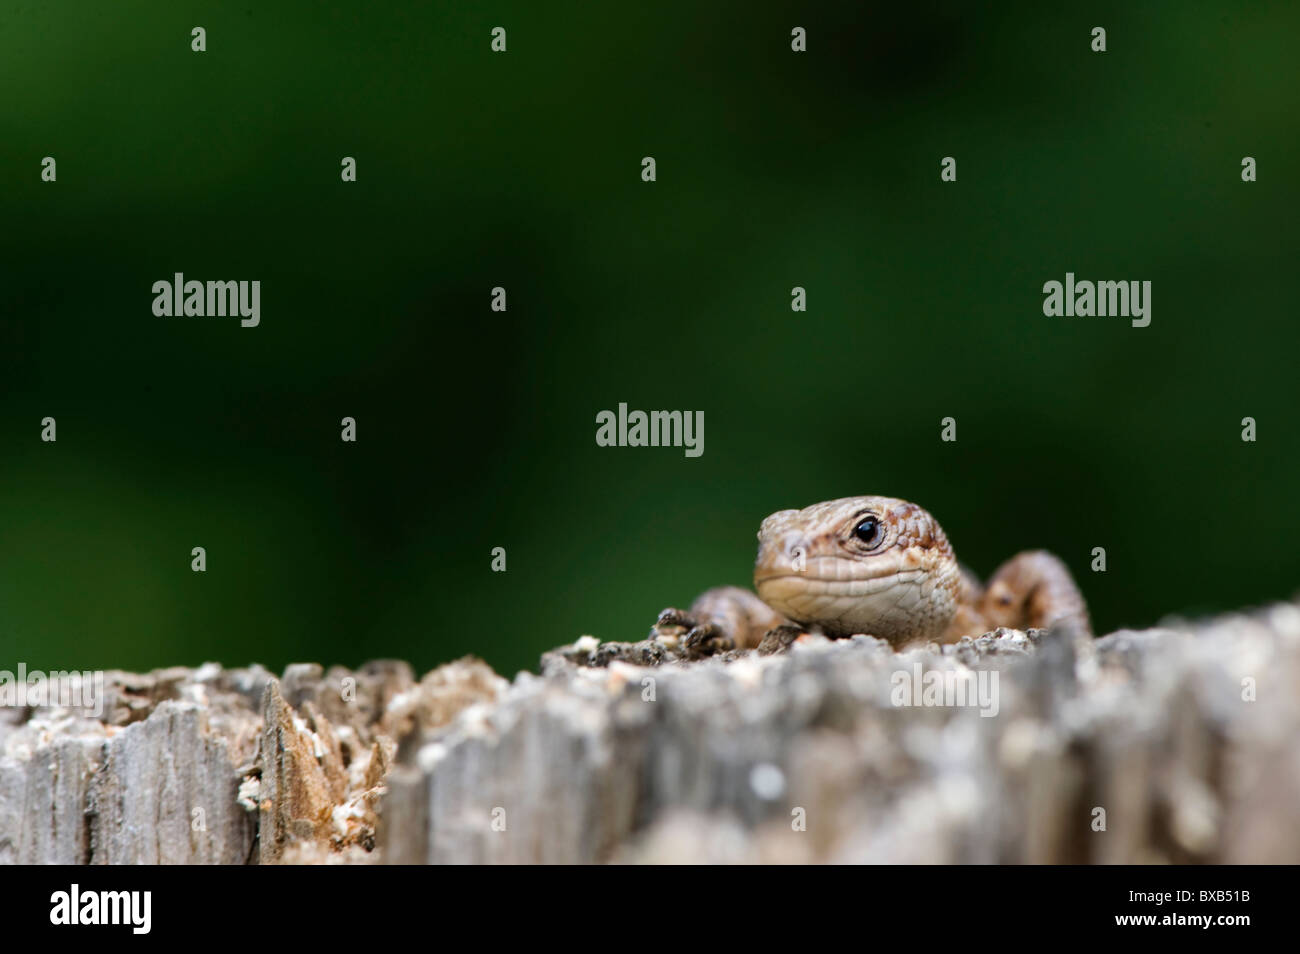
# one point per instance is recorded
(780, 554)
(772, 522)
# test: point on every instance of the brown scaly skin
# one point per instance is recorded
(879, 566)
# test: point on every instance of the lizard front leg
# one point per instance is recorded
(1033, 590)
(723, 618)
(969, 619)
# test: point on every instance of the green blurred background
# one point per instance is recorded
(522, 169)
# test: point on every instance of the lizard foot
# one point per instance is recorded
(673, 618)
(673, 623)
(723, 619)
(707, 639)
(696, 637)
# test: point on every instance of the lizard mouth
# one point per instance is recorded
(843, 573)
(846, 584)
(828, 599)
(842, 605)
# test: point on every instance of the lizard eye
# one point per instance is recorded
(868, 530)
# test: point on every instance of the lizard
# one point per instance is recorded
(879, 566)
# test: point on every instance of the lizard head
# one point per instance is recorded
(873, 565)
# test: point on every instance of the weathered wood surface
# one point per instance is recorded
(1155, 728)
(132, 788)
(1186, 736)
